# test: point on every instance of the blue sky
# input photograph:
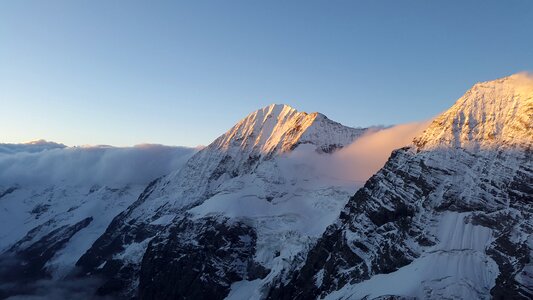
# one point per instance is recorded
(182, 73)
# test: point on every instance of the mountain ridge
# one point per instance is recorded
(241, 166)
(447, 217)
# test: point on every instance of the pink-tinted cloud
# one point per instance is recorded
(356, 162)
(363, 158)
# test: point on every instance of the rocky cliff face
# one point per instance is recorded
(449, 217)
(199, 259)
(236, 193)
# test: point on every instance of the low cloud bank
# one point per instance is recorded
(13, 288)
(31, 147)
(79, 289)
(45, 163)
(53, 163)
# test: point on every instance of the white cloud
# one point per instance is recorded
(90, 165)
(363, 158)
(32, 147)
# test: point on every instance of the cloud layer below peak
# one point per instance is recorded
(49, 163)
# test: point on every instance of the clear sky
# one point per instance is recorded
(182, 73)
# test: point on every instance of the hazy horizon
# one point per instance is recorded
(44, 143)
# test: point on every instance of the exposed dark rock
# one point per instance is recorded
(7, 191)
(199, 259)
(100, 259)
(40, 209)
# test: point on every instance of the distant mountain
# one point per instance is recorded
(232, 220)
(450, 217)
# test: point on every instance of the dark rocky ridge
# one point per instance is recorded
(201, 260)
(383, 226)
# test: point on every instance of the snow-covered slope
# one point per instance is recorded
(56, 201)
(491, 115)
(233, 219)
(29, 213)
(449, 217)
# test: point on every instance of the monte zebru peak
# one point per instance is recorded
(233, 219)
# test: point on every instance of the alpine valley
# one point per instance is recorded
(265, 212)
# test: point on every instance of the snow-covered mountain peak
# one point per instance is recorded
(490, 115)
(242, 178)
(279, 128)
(261, 136)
